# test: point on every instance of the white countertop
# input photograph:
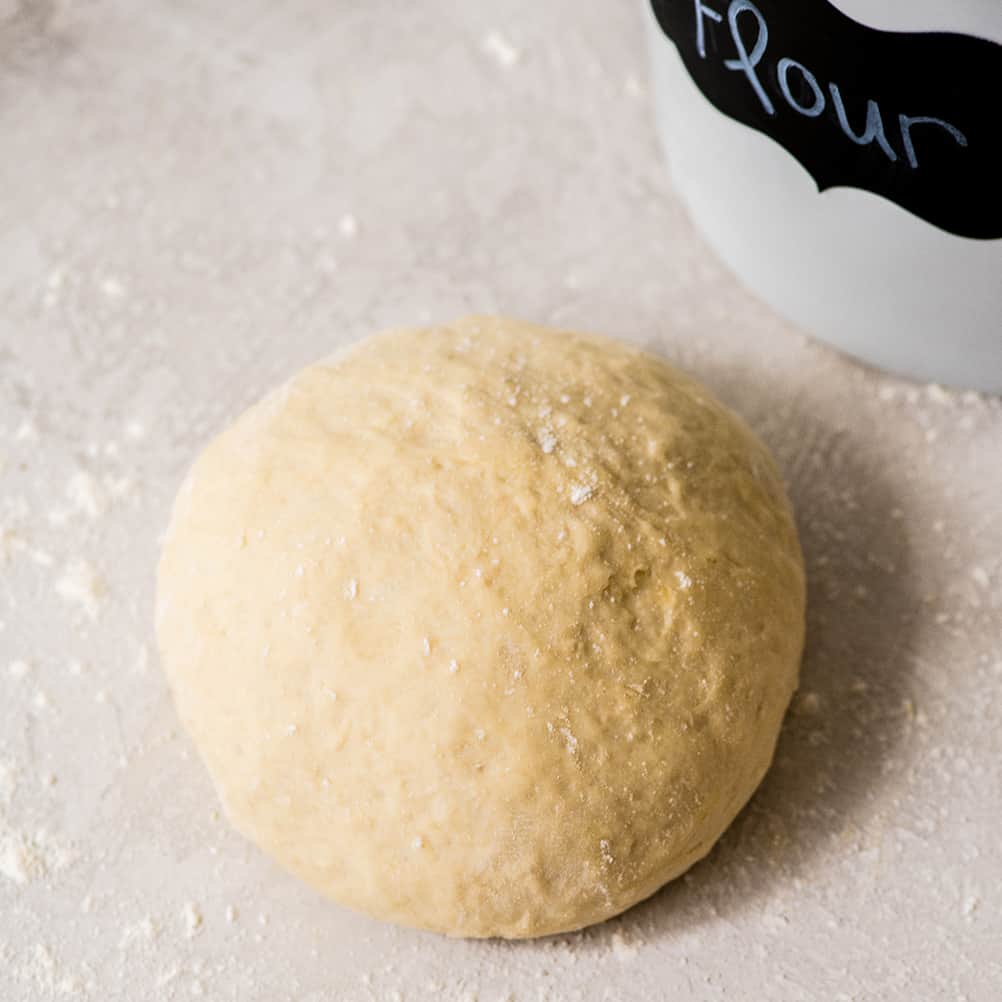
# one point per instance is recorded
(198, 198)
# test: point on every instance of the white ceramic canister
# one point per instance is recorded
(846, 161)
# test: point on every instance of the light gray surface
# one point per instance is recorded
(173, 184)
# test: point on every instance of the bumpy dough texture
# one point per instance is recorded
(487, 629)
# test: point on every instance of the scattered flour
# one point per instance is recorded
(79, 584)
(191, 917)
(24, 857)
(112, 287)
(569, 739)
(633, 88)
(10, 542)
(348, 226)
(18, 669)
(140, 933)
(623, 948)
(809, 704)
(547, 440)
(86, 494)
(500, 49)
(8, 782)
(41, 970)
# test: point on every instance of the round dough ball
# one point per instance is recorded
(487, 629)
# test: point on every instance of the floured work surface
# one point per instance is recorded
(198, 202)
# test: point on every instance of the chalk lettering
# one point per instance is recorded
(874, 129)
(783, 69)
(702, 11)
(830, 91)
(908, 121)
(748, 61)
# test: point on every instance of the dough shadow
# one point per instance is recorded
(847, 724)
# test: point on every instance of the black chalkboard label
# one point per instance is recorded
(914, 117)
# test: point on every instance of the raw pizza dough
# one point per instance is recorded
(487, 629)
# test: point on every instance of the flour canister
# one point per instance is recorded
(846, 161)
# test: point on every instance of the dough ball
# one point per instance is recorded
(487, 629)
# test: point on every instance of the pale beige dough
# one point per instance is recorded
(487, 629)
